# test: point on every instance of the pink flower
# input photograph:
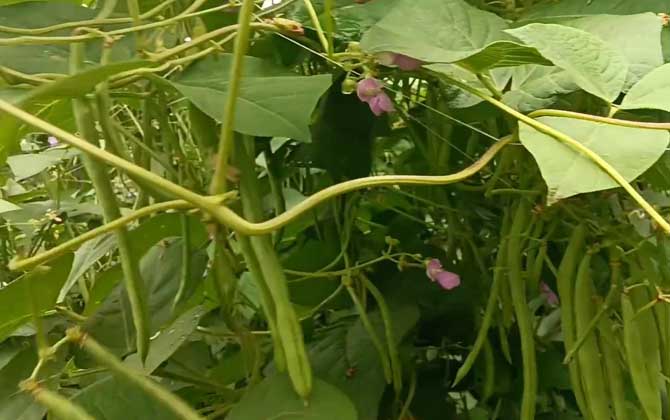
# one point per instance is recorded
(403, 62)
(446, 279)
(371, 91)
(545, 290)
(53, 141)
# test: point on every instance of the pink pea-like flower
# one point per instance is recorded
(53, 141)
(371, 91)
(403, 62)
(444, 278)
(545, 290)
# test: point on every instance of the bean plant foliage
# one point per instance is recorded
(334, 209)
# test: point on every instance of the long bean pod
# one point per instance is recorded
(521, 311)
(565, 284)
(646, 390)
(591, 369)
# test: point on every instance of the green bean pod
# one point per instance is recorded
(272, 274)
(614, 374)
(590, 364)
(523, 315)
(565, 285)
(643, 383)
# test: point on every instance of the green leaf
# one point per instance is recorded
(536, 87)
(273, 101)
(15, 306)
(595, 66)
(114, 399)
(6, 206)
(636, 37)
(275, 399)
(85, 257)
(30, 164)
(169, 339)
(448, 31)
(351, 347)
(572, 8)
(160, 270)
(631, 151)
(652, 92)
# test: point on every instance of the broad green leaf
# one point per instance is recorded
(448, 31)
(637, 37)
(573, 8)
(160, 271)
(6, 206)
(15, 306)
(351, 347)
(142, 238)
(30, 164)
(351, 19)
(652, 92)
(274, 398)
(631, 151)
(114, 399)
(169, 339)
(273, 101)
(595, 66)
(535, 87)
(85, 257)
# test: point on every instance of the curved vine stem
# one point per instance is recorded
(227, 217)
(573, 144)
(598, 119)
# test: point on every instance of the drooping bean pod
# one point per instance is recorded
(590, 363)
(521, 311)
(565, 285)
(644, 383)
(614, 373)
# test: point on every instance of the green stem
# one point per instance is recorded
(134, 11)
(317, 25)
(107, 359)
(573, 144)
(227, 134)
(58, 405)
(225, 215)
(598, 119)
(107, 198)
(65, 247)
(330, 26)
(84, 23)
(106, 10)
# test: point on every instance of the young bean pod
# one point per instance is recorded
(565, 284)
(521, 311)
(645, 388)
(591, 369)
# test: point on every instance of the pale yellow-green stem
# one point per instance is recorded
(317, 24)
(226, 216)
(573, 144)
(226, 137)
(598, 119)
